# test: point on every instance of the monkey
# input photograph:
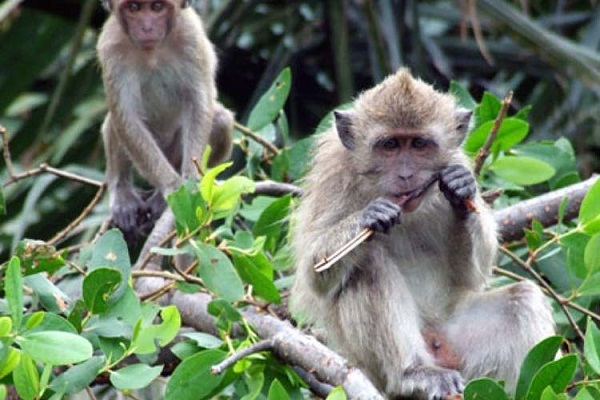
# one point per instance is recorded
(410, 306)
(158, 68)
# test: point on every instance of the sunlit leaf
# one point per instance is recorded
(522, 170)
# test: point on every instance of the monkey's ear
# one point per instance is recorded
(343, 124)
(185, 3)
(463, 122)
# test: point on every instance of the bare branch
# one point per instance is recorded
(62, 234)
(272, 188)
(512, 220)
(484, 152)
(258, 139)
(263, 345)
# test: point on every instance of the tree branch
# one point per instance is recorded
(513, 219)
(288, 343)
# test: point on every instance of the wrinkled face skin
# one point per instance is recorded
(404, 161)
(147, 22)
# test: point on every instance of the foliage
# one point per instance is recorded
(70, 317)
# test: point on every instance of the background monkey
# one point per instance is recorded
(159, 75)
(422, 275)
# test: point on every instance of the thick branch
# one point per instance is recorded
(288, 343)
(512, 220)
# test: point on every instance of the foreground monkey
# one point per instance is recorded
(408, 306)
(159, 70)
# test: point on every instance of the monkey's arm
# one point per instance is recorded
(141, 146)
(474, 233)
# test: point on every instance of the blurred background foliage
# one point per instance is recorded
(52, 101)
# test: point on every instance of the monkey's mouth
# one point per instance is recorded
(409, 201)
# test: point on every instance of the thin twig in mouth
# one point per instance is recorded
(366, 233)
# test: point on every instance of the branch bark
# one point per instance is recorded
(513, 219)
(288, 343)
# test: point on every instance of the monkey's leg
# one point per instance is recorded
(493, 331)
(377, 325)
(221, 133)
(125, 203)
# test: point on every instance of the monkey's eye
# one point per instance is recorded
(390, 144)
(158, 6)
(419, 143)
(133, 6)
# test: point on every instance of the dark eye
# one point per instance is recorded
(419, 143)
(158, 6)
(390, 144)
(133, 6)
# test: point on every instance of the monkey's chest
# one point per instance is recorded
(163, 97)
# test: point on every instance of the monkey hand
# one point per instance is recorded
(435, 383)
(380, 215)
(125, 214)
(458, 185)
(153, 208)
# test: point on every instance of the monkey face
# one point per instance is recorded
(147, 22)
(405, 161)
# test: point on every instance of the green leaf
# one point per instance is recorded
(549, 394)
(204, 340)
(462, 94)
(590, 286)
(135, 376)
(299, 157)
(591, 346)
(162, 333)
(271, 222)
(589, 213)
(78, 377)
(218, 274)
(225, 314)
(268, 106)
(542, 353)
(511, 132)
(9, 362)
(522, 170)
(37, 256)
(262, 285)
(35, 320)
(3, 392)
(484, 388)
(188, 207)
(556, 374)
(337, 393)
(6, 326)
(55, 347)
(488, 109)
(98, 287)
(52, 298)
(277, 391)
(13, 288)
(26, 378)
(208, 181)
(227, 195)
(592, 254)
(192, 379)
(588, 393)
(111, 251)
